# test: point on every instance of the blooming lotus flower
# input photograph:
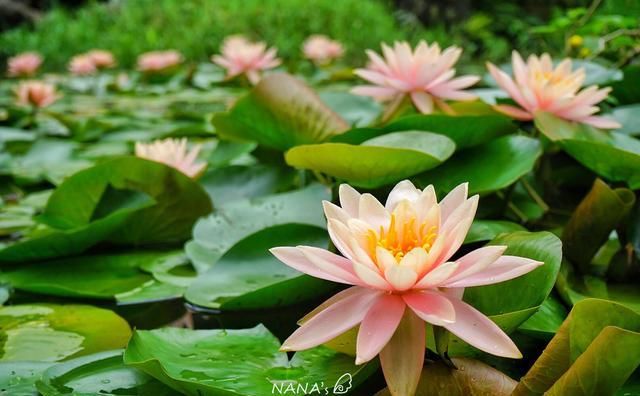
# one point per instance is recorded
(538, 86)
(101, 59)
(398, 257)
(159, 61)
(240, 56)
(321, 49)
(173, 152)
(82, 65)
(426, 74)
(36, 94)
(24, 65)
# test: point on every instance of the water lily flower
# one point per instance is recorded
(426, 74)
(102, 59)
(174, 153)
(398, 257)
(36, 94)
(24, 65)
(159, 61)
(538, 86)
(321, 49)
(241, 56)
(82, 65)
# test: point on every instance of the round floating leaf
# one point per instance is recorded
(546, 322)
(249, 277)
(488, 167)
(355, 109)
(529, 290)
(19, 378)
(47, 332)
(280, 112)
(627, 116)
(378, 161)
(611, 155)
(465, 131)
(179, 200)
(486, 230)
(102, 373)
(243, 362)
(213, 236)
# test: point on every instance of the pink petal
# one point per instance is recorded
(378, 326)
(423, 102)
(331, 263)
(437, 276)
(476, 329)
(601, 122)
(371, 76)
(349, 199)
(503, 269)
(405, 190)
(431, 307)
(332, 211)
(346, 293)
(372, 212)
(455, 198)
(370, 276)
(403, 357)
(505, 82)
(519, 68)
(476, 261)
(296, 259)
(380, 93)
(514, 112)
(400, 277)
(331, 322)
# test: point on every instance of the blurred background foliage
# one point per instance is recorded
(486, 29)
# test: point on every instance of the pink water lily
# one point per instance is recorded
(174, 153)
(426, 74)
(398, 259)
(538, 86)
(24, 65)
(321, 49)
(241, 56)
(159, 61)
(82, 65)
(102, 59)
(36, 94)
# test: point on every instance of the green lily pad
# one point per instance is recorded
(179, 200)
(249, 277)
(356, 110)
(19, 378)
(465, 131)
(486, 230)
(594, 352)
(102, 373)
(213, 236)
(92, 276)
(489, 167)
(627, 116)
(280, 112)
(546, 322)
(376, 162)
(245, 362)
(613, 156)
(49, 333)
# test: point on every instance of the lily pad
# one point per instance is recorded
(49, 333)
(245, 362)
(376, 162)
(102, 373)
(280, 112)
(486, 230)
(19, 378)
(628, 117)
(489, 167)
(213, 236)
(356, 110)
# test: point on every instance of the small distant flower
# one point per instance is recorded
(24, 65)
(576, 41)
(426, 74)
(159, 61)
(82, 65)
(240, 56)
(398, 259)
(102, 59)
(538, 86)
(321, 49)
(36, 94)
(174, 153)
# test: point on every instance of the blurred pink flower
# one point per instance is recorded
(425, 74)
(398, 259)
(240, 56)
(82, 65)
(24, 65)
(321, 49)
(102, 59)
(36, 94)
(538, 86)
(159, 61)
(174, 153)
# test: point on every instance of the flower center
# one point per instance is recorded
(399, 239)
